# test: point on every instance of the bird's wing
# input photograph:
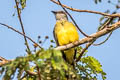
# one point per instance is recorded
(55, 36)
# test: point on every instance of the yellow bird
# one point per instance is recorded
(64, 33)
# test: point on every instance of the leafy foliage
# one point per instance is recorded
(93, 67)
(52, 66)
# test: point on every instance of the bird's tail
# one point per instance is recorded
(69, 55)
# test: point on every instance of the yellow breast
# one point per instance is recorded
(66, 32)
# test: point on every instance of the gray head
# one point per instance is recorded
(60, 15)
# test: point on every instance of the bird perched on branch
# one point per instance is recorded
(64, 33)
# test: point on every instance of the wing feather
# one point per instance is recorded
(55, 36)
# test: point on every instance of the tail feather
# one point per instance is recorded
(69, 55)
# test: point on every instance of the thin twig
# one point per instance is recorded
(88, 39)
(20, 20)
(20, 33)
(73, 20)
(3, 61)
(38, 72)
(31, 73)
(83, 51)
(104, 40)
(88, 11)
(105, 24)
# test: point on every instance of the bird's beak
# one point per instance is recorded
(54, 12)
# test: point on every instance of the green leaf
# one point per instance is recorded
(92, 63)
(57, 61)
(45, 54)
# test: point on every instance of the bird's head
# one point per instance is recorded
(60, 15)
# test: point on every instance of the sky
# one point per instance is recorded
(38, 20)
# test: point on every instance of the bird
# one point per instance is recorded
(65, 32)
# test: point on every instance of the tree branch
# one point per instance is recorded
(88, 11)
(3, 61)
(104, 40)
(38, 72)
(20, 20)
(88, 39)
(83, 50)
(20, 33)
(31, 73)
